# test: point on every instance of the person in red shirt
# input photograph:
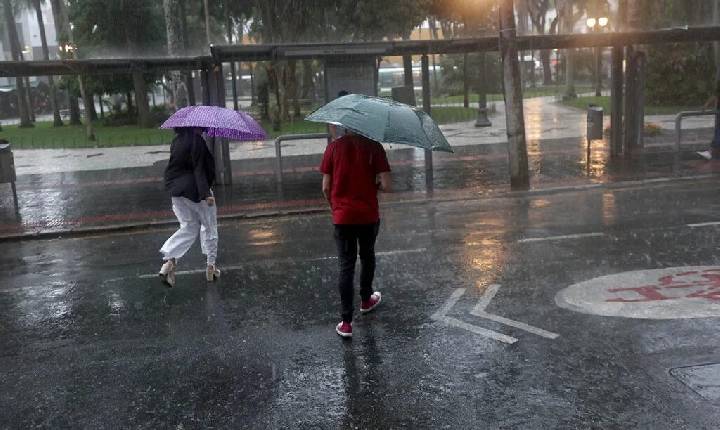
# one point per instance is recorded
(352, 166)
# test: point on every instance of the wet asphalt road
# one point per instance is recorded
(90, 339)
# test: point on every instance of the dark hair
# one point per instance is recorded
(343, 93)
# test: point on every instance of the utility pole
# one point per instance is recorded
(517, 147)
(616, 90)
(634, 80)
(715, 146)
(427, 107)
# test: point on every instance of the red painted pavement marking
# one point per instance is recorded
(691, 285)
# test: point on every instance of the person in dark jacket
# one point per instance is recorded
(189, 177)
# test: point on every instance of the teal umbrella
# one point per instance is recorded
(384, 121)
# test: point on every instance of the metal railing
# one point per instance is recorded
(678, 123)
(278, 150)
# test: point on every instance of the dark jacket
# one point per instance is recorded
(190, 173)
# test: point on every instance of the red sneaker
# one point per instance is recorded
(371, 303)
(344, 329)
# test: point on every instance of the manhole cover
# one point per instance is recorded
(703, 379)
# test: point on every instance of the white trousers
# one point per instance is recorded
(195, 218)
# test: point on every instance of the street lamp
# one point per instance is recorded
(596, 25)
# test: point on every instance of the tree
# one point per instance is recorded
(175, 47)
(23, 107)
(62, 28)
(538, 11)
(37, 5)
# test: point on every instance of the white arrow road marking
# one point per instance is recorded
(479, 311)
(441, 316)
(479, 330)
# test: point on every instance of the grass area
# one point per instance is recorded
(44, 135)
(293, 127)
(604, 102)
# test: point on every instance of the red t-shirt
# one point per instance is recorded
(354, 163)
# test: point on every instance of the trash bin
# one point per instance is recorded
(7, 168)
(594, 122)
(404, 95)
(7, 164)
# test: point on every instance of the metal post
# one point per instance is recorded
(616, 103)
(190, 84)
(598, 71)
(221, 148)
(278, 161)
(427, 107)
(482, 118)
(15, 197)
(517, 147)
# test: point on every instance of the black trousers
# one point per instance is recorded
(348, 237)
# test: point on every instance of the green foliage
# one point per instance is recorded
(452, 73)
(680, 74)
(118, 28)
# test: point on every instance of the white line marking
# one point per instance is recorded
(478, 330)
(454, 297)
(440, 316)
(564, 237)
(377, 254)
(488, 295)
(704, 224)
(239, 267)
(517, 324)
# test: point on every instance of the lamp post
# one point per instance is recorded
(597, 25)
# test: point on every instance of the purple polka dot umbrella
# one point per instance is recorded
(218, 121)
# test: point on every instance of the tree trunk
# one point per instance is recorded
(88, 102)
(517, 149)
(74, 107)
(434, 34)
(23, 108)
(93, 111)
(28, 97)
(292, 88)
(466, 84)
(547, 71)
(57, 121)
(129, 101)
(570, 54)
(253, 89)
(141, 100)
(307, 76)
(233, 72)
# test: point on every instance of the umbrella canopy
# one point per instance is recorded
(218, 121)
(384, 121)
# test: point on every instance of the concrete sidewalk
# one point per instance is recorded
(544, 119)
(88, 201)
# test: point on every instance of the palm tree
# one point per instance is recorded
(176, 46)
(9, 15)
(37, 5)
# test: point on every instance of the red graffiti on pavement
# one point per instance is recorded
(703, 284)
